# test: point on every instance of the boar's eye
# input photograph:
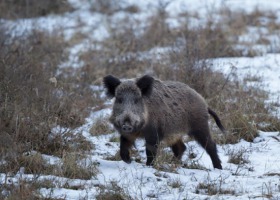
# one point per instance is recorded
(119, 100)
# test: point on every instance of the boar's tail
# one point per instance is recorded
(217, 120)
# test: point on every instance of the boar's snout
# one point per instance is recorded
(128, 123)
(127, 128)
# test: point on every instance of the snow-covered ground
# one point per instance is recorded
(259, 178)
(266, 67)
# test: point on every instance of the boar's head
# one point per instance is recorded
(129, 111)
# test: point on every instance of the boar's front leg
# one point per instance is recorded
(124, 149)
(152, 137)
(151, 152)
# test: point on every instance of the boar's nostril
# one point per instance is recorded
(126, 128)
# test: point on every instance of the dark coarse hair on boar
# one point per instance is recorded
(159, 111)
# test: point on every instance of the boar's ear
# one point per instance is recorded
(111, 83)
(145, 83)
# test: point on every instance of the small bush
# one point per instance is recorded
(72, 169)
(67, 141)
(165, 160)
(26, 96)
(212, 189)
(112, 191)
(27, 163)
(24, 191)
(193, 164)
(175, 183)
(238, 157)
(33, 163)
(101, 126)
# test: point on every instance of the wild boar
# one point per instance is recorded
(160, 111)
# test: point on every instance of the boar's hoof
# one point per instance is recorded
(125, 156)
(150, 162)
(218, 166)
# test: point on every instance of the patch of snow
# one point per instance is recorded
(267, 67)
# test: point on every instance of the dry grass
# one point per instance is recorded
(101, 126)
(213, 189)
(24, 191)
(238, 157)
(63, 141)
(31, 164)
(165, 160)
(193, 164)
(34, 99)
(14, 9)
(112, 191)
(175, 183)
(71, 168)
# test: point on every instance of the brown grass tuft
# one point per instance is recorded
(112, 191)
(101, 126)
(72, 169)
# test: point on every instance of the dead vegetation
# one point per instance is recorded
(14, 9)
(238, 157)
(41, 104)
(71, 168)
(112, 191)
(39, 109)
(101, 126)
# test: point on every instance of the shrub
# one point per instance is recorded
(35, 98)
(29, 105)
(24, 191)
(112, 191)
(101, 126)
(72, 169)
(238, 157)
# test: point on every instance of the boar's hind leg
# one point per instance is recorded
(124, 151)
(178, 149)
(205, 140)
